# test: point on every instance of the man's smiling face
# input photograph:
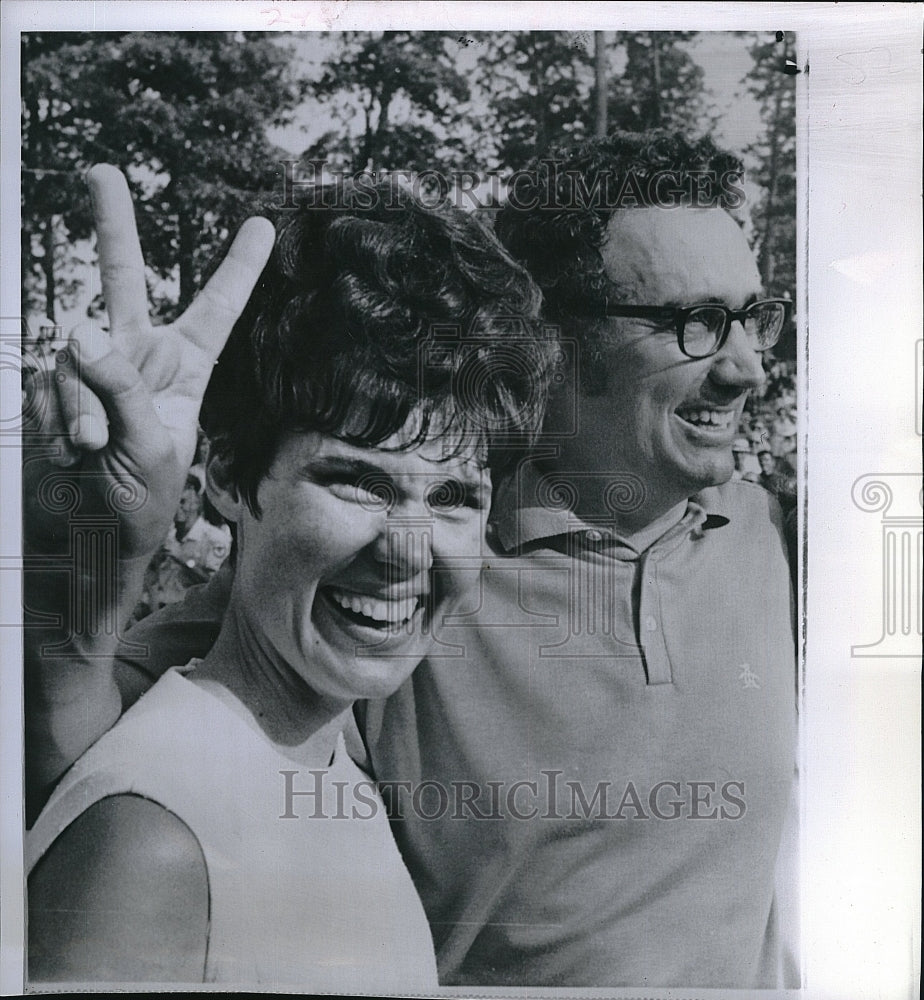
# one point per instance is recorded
(664, 417)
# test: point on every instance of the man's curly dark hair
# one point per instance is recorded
(373, 311)
(555, 218)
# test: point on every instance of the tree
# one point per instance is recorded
(55, 129)
(183, 114)
(775, 153)
(407, 89)
(601, 86)
(661, 85)
(539, 86)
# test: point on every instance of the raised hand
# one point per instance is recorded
(122, 407)
(106, 450)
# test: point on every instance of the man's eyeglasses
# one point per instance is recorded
(703, 329)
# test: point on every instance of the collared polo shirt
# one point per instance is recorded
(589, 776)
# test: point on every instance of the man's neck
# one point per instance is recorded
(645, 537)
(628, 503)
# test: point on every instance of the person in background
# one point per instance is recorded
(746, 465)
(192, 540)
(777, 476)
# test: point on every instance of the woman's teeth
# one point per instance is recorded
(388, 612)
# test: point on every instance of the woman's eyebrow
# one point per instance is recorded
(471, 475)
(343, 464)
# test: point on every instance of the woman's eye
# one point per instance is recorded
(375, 492)
(451, 495)
(372, 493)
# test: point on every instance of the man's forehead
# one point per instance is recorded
(679, 256)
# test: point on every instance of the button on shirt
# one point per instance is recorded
(612, 722)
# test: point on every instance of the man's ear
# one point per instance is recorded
(220, 488)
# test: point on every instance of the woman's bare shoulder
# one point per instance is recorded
(120, 896)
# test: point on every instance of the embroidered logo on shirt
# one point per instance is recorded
(748, 678)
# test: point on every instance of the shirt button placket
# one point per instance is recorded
(652, 639)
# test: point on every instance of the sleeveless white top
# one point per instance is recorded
(320, 899)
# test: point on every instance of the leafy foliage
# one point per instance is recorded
(370, 77)
(661, 85)
(183, 114)
(538, 85)
(775, 152)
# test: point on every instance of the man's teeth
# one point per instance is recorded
(709, 418)
(392, 612)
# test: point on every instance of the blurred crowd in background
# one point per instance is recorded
(765, 449)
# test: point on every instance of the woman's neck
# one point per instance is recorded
(295, 719)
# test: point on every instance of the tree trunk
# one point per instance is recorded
(364, 161)
(600, 83)
(767, 255)
(542, 123)
(188, 229)
(656, 78)
(381, 129)
(25, 257)
(48, 266)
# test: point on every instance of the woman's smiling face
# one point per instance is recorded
(356, 554)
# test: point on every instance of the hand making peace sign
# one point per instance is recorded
(124, 405)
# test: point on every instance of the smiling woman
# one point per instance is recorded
(356, 473)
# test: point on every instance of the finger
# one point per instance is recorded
(119, 387)
(44, 429)
(120, 261)
(208, 321)
(82, 412)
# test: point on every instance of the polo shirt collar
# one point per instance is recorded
(520, 519)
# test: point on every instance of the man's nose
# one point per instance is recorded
(738, 363)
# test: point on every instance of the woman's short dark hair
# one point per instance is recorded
(369, 312)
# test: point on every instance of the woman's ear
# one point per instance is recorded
(219, 487)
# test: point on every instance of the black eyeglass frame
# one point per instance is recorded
(680, 315)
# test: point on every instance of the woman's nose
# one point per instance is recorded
(404, 544)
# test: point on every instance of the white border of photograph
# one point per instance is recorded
(859, 402)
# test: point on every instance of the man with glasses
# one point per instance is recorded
(623, 705)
